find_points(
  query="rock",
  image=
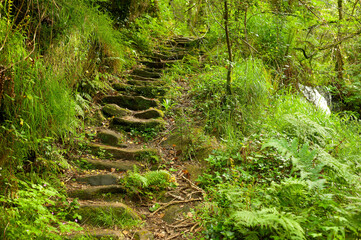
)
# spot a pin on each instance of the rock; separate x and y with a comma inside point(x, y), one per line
point(119, 165)
point(95, 192)
point(143, 235)
point(128, 123)
point(121, 153)
point(149, 113)
point(113, 110)
point(98, 213)
point(147, 74)
point(146, 91)
point(132, 102)
point(196, 169)
point(161, 56)
point(97, 233)
point(145, 83)
point(100, 180)
point(162, 64)
point(175, 212)
point(145, 79)
point(109, 137)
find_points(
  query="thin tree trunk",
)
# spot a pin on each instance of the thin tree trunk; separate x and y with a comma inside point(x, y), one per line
point(230, 57)
point(339, 60)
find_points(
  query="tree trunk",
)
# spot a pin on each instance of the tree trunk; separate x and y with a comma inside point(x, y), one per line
point(338, 54)
point(230, 57)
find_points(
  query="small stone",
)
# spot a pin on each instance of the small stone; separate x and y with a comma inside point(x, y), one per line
point(143, 235)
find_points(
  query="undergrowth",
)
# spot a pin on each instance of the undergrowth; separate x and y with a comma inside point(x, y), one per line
point(297, 178)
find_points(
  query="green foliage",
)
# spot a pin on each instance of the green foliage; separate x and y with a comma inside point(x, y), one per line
point(267, 222)
point(136, 182)
point(272, 36)
point(35, 213)
point(241, 110)
point(109, 217)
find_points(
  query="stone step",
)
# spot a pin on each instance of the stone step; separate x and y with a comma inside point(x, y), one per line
point(99, 179)
point(146, 91)
point(90, 211)
point(94, 192)
point(136, 77)
point(119, 165)
point(158, 64)
point(138, 82)
point(163, 56)
point(149, 114)
point(113, 138)
point(110, 137)
point(122, 153)
point(91, 232)
point(146, 73)
point(129, 122)
point(132, 102)
point(110, 110)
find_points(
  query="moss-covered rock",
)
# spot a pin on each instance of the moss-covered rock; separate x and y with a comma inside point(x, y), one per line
point(107, 214)
point(97, 233)
point(149, 113)
point(119, 165)
point(143, 235)
point(109, 137)
point(113, 110)
point(99, 180)
point(158, 64)
point(132, 102)
point(138, 82)
point(121, 153)
point(146, 91)
point(94, 192)
point(147, 73)
point(128, 123)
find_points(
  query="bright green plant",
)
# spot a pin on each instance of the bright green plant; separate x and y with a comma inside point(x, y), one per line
point(109, 217)
point(139, 183)
point(34, 213)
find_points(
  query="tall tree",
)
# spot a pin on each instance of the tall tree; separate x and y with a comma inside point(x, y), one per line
point(229, 47)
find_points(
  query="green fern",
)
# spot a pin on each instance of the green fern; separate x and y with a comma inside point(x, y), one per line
point(267, 222)
point(135, 179)
point(160, 177)
point(303, 128)
point(303, 159)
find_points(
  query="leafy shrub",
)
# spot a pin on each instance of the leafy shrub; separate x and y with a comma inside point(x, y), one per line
point(34, 213)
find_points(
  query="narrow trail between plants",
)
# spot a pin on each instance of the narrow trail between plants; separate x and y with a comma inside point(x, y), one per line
point(134, 107)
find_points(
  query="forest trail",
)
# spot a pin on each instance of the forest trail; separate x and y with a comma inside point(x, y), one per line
point(133, 108)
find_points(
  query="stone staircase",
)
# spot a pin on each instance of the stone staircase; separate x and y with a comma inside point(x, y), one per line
point(134, 105)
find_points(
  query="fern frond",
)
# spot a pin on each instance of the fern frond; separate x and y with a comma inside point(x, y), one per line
point(342, 170)
point(303, 128)
point(269, 219)
point(158, 177)
point(302, 159)
point(137, 180)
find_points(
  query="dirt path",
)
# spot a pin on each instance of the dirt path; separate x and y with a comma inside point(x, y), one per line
point(133, 109)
